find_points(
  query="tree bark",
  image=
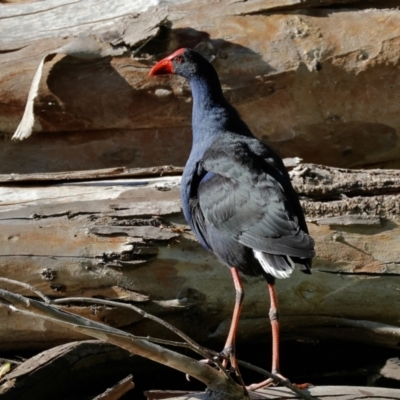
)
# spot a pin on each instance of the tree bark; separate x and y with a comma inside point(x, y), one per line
point(126, 239)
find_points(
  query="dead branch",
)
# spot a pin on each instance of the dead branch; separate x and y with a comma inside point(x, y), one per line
point(206, 353)
point(118, 390)
point(138, 345)
point(84, 368)
point(28, 287)
point(204, 373)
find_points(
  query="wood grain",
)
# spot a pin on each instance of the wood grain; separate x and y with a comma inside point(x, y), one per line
point(126, 239)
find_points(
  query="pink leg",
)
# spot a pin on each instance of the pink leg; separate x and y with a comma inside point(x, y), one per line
point(229, 348)
point(274, 318)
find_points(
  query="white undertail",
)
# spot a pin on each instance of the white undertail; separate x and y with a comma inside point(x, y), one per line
point(277, 272)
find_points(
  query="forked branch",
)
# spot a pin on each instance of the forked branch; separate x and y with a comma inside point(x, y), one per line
point(218, 381)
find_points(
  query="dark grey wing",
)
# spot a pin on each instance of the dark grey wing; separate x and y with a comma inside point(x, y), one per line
point(247, 198)
point(191, 206)
point(198, 223)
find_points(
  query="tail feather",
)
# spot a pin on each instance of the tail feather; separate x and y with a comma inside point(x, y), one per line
point(281, 266)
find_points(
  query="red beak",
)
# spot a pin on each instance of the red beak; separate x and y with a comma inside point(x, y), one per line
point(165, 66)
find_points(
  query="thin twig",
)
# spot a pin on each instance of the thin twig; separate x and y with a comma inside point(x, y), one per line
point(191, 343)
point(209, 376)
point(118, 390)
point(28, 287)
point(204, 352)
point(166, 342)
point(211, 355)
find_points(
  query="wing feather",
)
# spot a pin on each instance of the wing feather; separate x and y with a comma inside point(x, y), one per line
point(245, 193)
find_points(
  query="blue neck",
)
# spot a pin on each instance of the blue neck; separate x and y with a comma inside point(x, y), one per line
point(208, 105)
point(212, 114)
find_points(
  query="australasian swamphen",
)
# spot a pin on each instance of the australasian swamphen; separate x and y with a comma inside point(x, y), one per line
point(236, 193)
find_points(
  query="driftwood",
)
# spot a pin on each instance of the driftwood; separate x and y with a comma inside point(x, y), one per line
point(75, 368)
point(24, 380)
point(315, 82)
point(125, 239)
point(219, 383)
point(320, 392)
point(217, 379)
point(118, 390)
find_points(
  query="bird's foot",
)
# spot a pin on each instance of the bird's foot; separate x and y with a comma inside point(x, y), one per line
point(275, 382)
point(267, 383)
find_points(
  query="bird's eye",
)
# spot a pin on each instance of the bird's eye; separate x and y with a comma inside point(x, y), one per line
point(179, 59)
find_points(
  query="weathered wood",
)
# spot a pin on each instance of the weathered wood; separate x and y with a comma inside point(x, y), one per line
point(108, 173)
point(213, 379)
point(126, 239)
point(93, 17)
point(326, 183)
point(77, 369)
point(319, 392)
point(300, 80)
point(118, 390)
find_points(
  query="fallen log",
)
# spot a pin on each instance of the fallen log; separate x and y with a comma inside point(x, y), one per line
point(125, 239)
point(277, 393)
point(315, 82)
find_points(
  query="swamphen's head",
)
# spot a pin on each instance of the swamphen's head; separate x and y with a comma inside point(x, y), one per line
point(184, 62)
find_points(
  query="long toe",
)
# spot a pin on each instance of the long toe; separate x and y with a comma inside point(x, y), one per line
point(268, 382)
point(271, 382)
